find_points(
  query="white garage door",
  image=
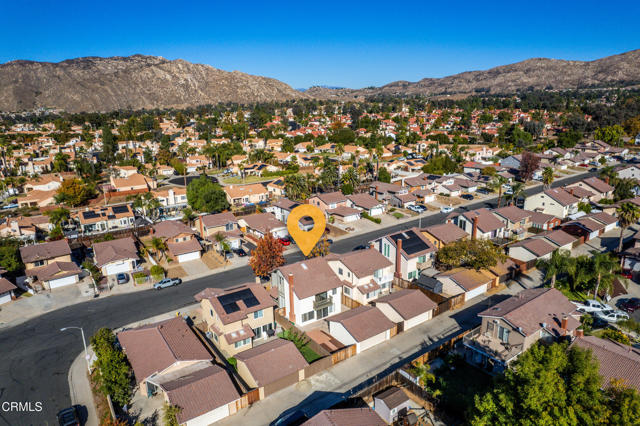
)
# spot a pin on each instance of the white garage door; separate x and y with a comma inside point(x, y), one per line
point(475, 292)
point(116, 268)
point(5, 298)
point(281, 233)
point(189, 256)
point(63, 281)
point(371, 342)
point(376, 211)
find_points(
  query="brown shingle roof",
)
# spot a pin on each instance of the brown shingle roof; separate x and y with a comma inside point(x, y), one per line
point(532, 308)
point(343, 211)
point(537, 246)
point(408, 303)
point(363, 322)
point(272, 361)
point(220, 219)
point(561, 196)
point(184, 247)
point(171, 228)
point(310, 277)
point(512, 213)
point(114, 250)
point(446, 232)
point(364, 262)
point(363, 200)
point(332, 197)
point(44, 251)
point(559, 237)
point(263, 222)
point(617, 361)
point(346, 417)
point(598, 184)
point(6, 285)
point(487, 222)
point(152, 348)
point(257, 290)
point(55, 270)
point(393, 397)
point(200, 392)
point(468, 279)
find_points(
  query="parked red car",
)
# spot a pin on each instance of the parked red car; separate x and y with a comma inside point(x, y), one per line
point(284, 241)
point(630, 305)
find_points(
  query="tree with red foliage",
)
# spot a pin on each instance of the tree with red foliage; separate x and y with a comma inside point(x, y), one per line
point(529, 163)
point(267, 256)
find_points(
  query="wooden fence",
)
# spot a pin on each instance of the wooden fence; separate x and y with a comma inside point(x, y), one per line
point(349, 302)
point(343, 354)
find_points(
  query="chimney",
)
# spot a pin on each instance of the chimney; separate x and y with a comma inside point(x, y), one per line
point(258, 280)
point(398, 272)
point(376, 194)
point(606, 180)
point(291, 313)
point(579, 333)
point(371, 245)
point(564, 324)
point(571, 191)
point(474, 228)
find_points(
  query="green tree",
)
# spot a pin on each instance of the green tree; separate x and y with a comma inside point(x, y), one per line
point(296, 187)
point(159, 247)
point(554, 265)
point(188, 216)
point(350, 177)
point(476, 254)
point(58, 216)
point(205, 196)
point(497, 184)
point(547, 385)
point(628, 215)
point(109, 146)
point(623, 189)
point(624, 404)
point(74, 192)
point(115, 373)
point(603, 267)
point(610, 134)
point(547, 177)
point(10, 259)
point(384, 175)
point(441, 164)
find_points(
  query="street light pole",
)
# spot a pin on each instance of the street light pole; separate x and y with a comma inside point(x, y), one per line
point(84, 343)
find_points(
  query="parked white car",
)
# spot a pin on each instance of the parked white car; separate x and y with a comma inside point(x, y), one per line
point(591, 305)
point(446, 209)
point(417, 208)
point(611, 315)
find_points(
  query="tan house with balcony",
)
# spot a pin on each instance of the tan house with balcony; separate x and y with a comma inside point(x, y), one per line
point(36, 255)
point(238, 317)
point(510, 327)
point(239, 195)
point(516, 221)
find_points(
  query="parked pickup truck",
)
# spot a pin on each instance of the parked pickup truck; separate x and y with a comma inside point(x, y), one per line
point(167, 282)
point(591, 305)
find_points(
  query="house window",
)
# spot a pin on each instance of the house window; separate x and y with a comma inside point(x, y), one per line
point(243, 342)
point(422, 259)
point(215, 337)
point(257, 315)
point(490, 328)
point(339, 271)
point(334, 291)
point(413, 274)
point(347, 291)
point(211, 312)
point(228, 227)
point(38, 263)
point(503, 334)
point(308, 316)
point(257, 332)
point(385, 250)
point(383, 286)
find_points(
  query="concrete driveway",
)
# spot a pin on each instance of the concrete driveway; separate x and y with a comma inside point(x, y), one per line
point(194, 267)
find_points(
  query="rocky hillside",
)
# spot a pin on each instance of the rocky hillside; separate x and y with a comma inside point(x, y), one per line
point(538, 73)
point(105, 84)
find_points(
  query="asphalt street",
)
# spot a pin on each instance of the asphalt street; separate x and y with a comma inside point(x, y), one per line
point(36, 356)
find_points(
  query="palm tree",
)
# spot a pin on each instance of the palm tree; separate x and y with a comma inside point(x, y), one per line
point(628, 214)
point(517, 191)
point(350, 177)
point(423, 372)
point(188, 216)
point(158, 245)
point(603, 267)
point(547, 177)
point(578, 271)
point(497, 184)
point(555, 264)
point(609, 172)
point(58, 216)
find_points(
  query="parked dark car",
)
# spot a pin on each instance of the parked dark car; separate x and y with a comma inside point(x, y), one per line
point(122, 278)
point(68, 417)
point(240, 252)
point(329, 240)
point(467, 197)
point(630, 305)
point(360, 247)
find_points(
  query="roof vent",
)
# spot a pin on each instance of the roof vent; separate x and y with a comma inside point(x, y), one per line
point(304, 266)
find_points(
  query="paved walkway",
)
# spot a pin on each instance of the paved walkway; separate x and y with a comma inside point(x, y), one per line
point(80, 390)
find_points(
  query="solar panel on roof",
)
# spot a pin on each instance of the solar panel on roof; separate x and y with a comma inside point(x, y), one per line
point(411, 243)
point(120, 209)
point(228, 301)
point(90, 214)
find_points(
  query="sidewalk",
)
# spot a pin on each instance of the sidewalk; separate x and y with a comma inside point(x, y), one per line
point(80, 390)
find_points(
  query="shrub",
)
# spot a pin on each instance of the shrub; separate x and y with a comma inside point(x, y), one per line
point(140, 277)
point(616, 335)
point(371, 218)
point(157, 272)
point(398, 215)
point(115, 374)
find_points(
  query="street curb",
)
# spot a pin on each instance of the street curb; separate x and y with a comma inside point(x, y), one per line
point(82, 399)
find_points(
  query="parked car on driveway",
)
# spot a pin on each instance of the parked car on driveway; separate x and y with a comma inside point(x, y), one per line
point(446, 209)
point(284, 241)
point(417, 208)
point(240, 252)
point(630, 305)
point(612, 316)
point(167, 282)
point(467, 197)
point(122, 278)
point(591, 305)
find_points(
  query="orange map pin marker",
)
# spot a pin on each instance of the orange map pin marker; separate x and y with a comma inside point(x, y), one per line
point(306, 240)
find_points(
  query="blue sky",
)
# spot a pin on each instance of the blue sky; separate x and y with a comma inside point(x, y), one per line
point(349, 44)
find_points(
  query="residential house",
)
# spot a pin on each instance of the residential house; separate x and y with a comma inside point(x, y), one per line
point(516, 221)
point(598, 187)
point(237, 317)
point(276, 188)
point(465, 281)
point(329, 200)
point(116, 256)
point(239, 195)
point(617, 362)
point(544, 221)
point(259, 224)
point(168, 358)
point(631, 171)
point(364, 326)
point(406, 308)
point(531, 250)
point(443, 234)
point(365, 203)
point(479, 223)
point(36, 255)
point(181, 241)
point(225, 224)
point(344, 214)
point(104, 219)
point(172, 200)
point(409, 250)
point(54, 275)
point(510, 327)
point(559, 238)
point(46, 182)
point(133, 182)
point(37, 198)
point(365, 274)
point(391, 403)
point(403, 200)
point(384, 191)
point(556, 201)
point(281, 209)
point(512, 162)
point(308, 290)
point(7, 290)
point(346, 416)
point(271, 366)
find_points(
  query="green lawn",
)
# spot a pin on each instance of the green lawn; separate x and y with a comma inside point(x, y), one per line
point(397, 215)
point(577, 296)
point(309, 354)
point(249, 179)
